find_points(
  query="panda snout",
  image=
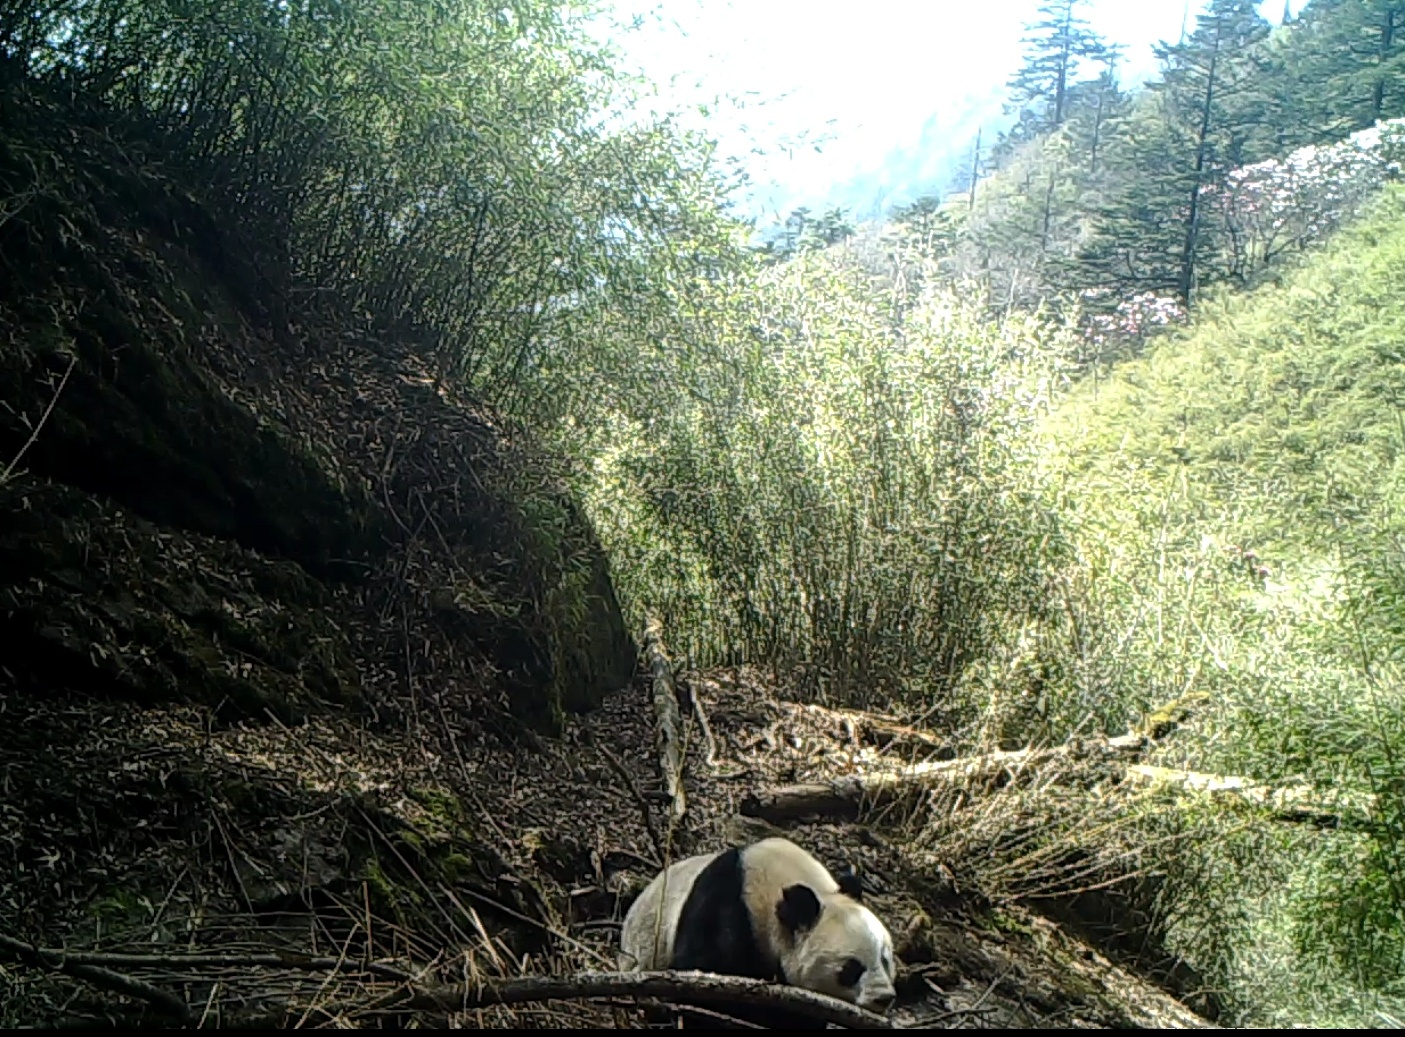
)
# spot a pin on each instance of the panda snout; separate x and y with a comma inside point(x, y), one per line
point(880, 1002)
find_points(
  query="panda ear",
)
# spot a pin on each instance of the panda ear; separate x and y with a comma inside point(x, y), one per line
point(799, 908)
point(850, 885)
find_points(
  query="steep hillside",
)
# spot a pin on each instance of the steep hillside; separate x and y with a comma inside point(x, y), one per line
point(1235, 501)
point(1284, 405)
point(163, 412)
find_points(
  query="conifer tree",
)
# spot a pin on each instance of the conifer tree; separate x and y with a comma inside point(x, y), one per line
point(1054, 47)
point(1367, 40)
point(1199, 120)
point(1094, 104)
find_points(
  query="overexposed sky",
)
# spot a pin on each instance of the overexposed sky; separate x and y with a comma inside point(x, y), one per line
point(862, 77)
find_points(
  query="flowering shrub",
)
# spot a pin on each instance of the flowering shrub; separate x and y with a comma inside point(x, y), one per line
point(1283, 205)
point(1133, 319)
point(1259, 213)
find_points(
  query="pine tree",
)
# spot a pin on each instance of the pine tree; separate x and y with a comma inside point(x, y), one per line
point(1344, 68)
point(831, 228)
point(1054, 47)
point(1199, 120)
point(1094, 104)
point(1390, 35)
point(1200, 77)
point(930, 222)
point(1369, 37)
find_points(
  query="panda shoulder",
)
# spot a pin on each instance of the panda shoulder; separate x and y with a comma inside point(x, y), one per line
point(769, 866)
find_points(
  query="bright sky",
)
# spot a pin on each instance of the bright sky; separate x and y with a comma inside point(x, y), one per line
point(865, 78)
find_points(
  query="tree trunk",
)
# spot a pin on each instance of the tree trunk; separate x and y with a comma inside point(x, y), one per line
point(975, 171)
point(1192, 228)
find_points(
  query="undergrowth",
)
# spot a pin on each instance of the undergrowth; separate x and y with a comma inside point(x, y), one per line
point(847, 492)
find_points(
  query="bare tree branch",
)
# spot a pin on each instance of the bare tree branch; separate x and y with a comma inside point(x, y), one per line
point(687, 987)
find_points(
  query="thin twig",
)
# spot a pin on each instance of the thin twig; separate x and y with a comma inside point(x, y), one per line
point(43, 419)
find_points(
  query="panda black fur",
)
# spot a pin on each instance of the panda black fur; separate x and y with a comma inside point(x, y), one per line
point(765, 911)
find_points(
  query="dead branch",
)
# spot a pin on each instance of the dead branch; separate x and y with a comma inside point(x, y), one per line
point(640, 801)
point(284, 960)
point(684, 987)
point(99, 976)
point(709, 742)
point(1301, 804)
point(670, 723)
point(846, 797)
point(39, 425)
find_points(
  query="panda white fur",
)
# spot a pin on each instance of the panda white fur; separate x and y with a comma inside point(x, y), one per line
point(766, 911)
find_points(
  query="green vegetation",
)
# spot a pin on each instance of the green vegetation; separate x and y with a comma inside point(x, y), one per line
point(838, 458)
point(466, 178)
point(1235, 504)
point(853, 503)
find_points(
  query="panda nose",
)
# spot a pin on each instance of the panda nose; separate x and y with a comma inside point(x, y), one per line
point(880, 1003)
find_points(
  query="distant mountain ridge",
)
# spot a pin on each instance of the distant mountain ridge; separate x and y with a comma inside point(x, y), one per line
point(936, 162)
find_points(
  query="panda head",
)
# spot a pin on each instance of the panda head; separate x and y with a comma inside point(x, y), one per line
point(837, 946)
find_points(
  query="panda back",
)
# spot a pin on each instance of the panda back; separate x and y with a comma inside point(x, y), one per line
point(718, 913)
point(715, 931)
point(651, 924)
point(728, 926)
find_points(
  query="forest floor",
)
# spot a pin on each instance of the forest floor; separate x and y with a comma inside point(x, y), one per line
point(248, 829)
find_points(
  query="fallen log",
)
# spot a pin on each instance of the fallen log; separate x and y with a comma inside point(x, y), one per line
point(848, 796)
point(696, 988)
point(1300, 804)
point(668, 721)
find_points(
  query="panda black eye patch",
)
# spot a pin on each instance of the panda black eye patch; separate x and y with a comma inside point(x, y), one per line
point(850, 974)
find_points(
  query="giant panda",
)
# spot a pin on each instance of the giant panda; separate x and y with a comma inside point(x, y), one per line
point(766, 911)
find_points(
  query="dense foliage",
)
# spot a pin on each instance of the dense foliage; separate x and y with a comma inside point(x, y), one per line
point(1235, 503)
point(848, 499)
point(461, 174)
